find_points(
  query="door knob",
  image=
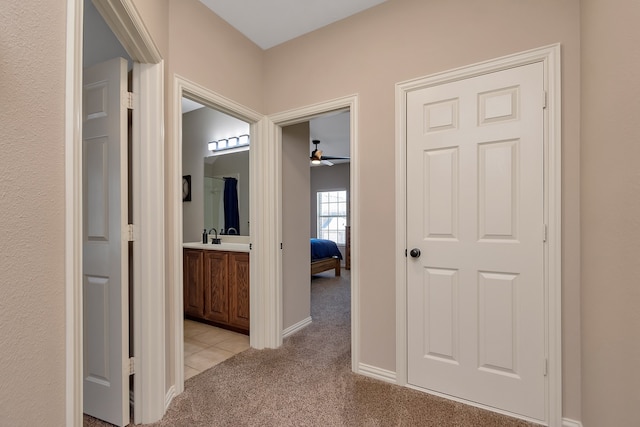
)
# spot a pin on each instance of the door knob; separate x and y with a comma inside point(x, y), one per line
point(415, 253)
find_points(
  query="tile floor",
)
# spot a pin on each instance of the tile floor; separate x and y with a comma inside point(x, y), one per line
point(206, 346)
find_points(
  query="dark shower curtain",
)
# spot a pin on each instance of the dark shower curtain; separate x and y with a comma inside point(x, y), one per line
point(231, 213)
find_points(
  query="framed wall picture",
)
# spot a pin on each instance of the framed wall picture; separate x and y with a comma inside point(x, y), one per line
point(186, 188)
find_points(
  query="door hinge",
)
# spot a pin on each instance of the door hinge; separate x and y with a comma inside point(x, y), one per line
point(132, 364)
point(545, 232)
point(545, 367)
point(250, 246)
point(280, 245)
point(129, 232)
point(129, 100)
point(545, 99)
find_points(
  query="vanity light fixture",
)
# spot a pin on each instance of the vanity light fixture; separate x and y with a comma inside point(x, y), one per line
point(232, 144)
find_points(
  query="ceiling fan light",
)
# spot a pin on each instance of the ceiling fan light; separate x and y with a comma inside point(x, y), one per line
point(315, 161)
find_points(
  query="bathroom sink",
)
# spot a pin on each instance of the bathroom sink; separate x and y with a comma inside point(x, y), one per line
point(224, 246)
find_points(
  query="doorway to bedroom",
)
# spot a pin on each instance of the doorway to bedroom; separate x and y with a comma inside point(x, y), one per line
point(316, 222)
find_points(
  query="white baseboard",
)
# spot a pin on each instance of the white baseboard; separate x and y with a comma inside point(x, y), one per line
point(377, 373)
point(171, 393)
point(567, 422)
point(296, 327)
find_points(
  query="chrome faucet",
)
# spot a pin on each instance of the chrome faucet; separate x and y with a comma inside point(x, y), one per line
point(215, 240)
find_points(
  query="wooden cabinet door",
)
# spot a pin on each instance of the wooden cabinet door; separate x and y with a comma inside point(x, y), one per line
point(216, 278)
point(239, 290)
point(193, 282)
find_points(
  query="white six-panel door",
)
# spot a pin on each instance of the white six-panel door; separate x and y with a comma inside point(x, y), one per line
point(475, 296)
point(105, 255)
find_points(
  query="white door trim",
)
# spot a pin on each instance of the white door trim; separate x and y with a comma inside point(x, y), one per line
point(550, 57)
point(126, 23)
point(73, 214)
point(184, 87)
point(274, 190)
point(149, 243)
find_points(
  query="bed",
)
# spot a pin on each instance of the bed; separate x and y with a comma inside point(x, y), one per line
point(325, 255)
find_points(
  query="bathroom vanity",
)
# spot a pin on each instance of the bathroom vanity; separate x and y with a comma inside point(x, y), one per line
point(216, 284)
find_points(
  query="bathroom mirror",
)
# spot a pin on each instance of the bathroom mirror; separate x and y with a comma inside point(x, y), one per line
point(209, 168)
point(226, 189)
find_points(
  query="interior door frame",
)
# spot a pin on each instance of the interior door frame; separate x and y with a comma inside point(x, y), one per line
point(194, 91)
point(148, 174)
point(549, 56)
point(274, 125)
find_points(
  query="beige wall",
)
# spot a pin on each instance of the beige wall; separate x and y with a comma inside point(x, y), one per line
point(155, 15)
point(402, 39)
point(610, 212)
point(296, 253)
point(32, 300)
point(206, 50)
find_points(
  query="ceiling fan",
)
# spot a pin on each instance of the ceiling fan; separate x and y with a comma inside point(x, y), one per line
point(317, 158)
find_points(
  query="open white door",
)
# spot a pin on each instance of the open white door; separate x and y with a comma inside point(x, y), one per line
point(475, 227)
point(105, 261)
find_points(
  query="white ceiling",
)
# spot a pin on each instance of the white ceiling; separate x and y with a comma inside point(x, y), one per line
point(270, 22)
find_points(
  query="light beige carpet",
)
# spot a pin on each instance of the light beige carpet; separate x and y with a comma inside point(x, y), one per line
point(308, 382)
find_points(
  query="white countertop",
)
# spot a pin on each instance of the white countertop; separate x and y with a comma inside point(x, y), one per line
point(224, 246)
